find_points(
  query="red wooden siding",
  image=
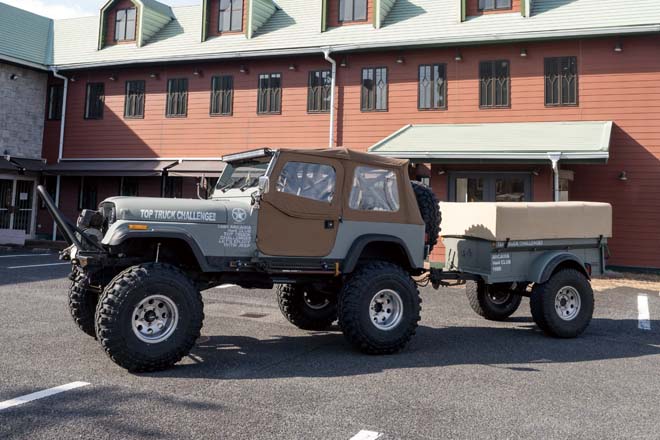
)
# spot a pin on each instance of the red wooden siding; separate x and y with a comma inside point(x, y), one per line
point(110, 17)
point(472, 8)
point(333, 14)
point(214, 17)
point(622, 87)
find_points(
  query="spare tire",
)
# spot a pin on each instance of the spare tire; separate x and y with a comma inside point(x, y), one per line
point(429, 207)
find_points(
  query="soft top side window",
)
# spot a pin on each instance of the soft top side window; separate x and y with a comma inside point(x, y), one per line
point(374, 190)
point(308, 180)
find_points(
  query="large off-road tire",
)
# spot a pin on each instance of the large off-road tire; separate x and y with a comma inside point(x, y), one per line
point(429, 207)
point(305, 307)
point(149, 317)
point(82, 301)
point(564, 305)
point(493, 302)
point(379, 308)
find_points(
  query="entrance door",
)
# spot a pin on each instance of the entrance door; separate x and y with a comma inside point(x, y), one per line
point(300, 214)
point(16, 205)
point(6, 198)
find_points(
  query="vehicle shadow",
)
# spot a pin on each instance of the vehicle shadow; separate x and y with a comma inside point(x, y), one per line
point(523, 348)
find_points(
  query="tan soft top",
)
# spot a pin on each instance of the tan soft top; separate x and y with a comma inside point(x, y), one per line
point(527, 221)
point(350, 155)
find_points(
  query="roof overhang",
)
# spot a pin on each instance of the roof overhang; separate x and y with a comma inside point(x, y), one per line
point(21, 165)
point(527, 142)
point(115, 168)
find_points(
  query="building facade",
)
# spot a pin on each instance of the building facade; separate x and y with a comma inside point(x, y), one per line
point(507, 100)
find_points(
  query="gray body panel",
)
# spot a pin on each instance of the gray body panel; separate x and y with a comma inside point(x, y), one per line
point(520, 261)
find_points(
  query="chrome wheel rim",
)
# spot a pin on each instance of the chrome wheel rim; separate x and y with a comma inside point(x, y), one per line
point(567, 303)
point(155, 318)
point(386, 310)
point(312, 301)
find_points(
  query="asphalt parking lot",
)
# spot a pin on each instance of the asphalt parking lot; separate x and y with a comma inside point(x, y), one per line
point(254, 376)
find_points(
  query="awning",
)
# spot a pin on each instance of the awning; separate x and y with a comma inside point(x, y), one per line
point(528, 142)
point(133, 168)
point(197, 168)
point(21, 165)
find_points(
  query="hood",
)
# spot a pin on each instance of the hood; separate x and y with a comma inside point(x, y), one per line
point(173, 210)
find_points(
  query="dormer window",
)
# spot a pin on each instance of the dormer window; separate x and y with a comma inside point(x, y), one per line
point(492, 5)
point(231, 16)
point(125, 24)
point(353, 10)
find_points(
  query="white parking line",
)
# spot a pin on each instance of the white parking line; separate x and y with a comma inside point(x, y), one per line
point(25, 255)
point(644, 316)
point(366, 435)
point(37, 265)
point(41, 394)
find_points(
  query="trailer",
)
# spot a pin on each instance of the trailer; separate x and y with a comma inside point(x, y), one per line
point(545, 251)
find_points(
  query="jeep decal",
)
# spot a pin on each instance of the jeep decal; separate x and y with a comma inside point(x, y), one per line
point(162, 214)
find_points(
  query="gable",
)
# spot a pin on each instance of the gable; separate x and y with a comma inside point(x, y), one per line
point(152, 16)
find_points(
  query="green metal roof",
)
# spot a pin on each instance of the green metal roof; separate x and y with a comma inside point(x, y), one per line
point(25, 38)
point(525, 141)
point(295, 27)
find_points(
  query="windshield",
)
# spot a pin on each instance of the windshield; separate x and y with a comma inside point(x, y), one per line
point(243, 176)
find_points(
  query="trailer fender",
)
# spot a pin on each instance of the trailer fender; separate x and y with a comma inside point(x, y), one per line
point(544, 266)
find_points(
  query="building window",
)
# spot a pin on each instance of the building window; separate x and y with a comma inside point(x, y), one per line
point(134, 103)
point(490, 187)
point(125, 24)
point(561, 81)
point(270, 93)
point(173, 188)
point(55, 96)
point(222, 95)
point(129, 186)
point(494, 80)
point(177, 98)
point(432, 86)
point(88, 197)
point(231, 16)
point(374, 89)
point(352, 10)
point(374, 190)
point(94, 101)
point(319, 92)
point(491, 5)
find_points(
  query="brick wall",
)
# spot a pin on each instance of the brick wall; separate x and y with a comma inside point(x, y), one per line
point(22, 112)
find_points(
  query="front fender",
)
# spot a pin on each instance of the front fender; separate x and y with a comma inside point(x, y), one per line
point(119, 233)
point(544, 266)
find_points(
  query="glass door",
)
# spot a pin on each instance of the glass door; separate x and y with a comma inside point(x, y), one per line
point(6, 192)
point(16, 205)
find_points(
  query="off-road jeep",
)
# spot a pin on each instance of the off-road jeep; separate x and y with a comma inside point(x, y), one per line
point(340, 233)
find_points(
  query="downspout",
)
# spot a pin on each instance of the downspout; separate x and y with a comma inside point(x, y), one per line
point(554, 158)
point(333, 84)
point(61, 145)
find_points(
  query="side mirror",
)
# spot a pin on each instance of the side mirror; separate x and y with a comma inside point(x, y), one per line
point(264, 184)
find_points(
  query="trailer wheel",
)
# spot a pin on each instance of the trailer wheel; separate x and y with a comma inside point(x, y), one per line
point(563, 306)
point(149, 317)
point(493, 302)
point(83, 301)
point(305, 307)
point(379, 308)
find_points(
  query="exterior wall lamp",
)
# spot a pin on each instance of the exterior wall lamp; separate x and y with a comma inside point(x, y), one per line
point(343, 62)
point(459, 56)
point(400, 59)
point(292, 67)
point(197, 72)
point(243, 69)
point(623, 176)
point(113, 78)
point(14, 76)
point(523, 53)
point(618, 47)
point(153, 76)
